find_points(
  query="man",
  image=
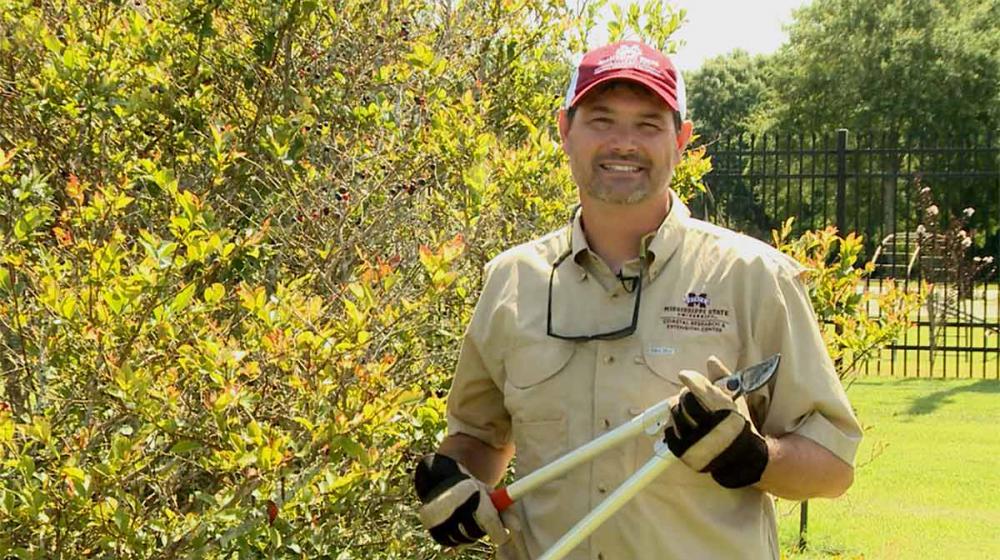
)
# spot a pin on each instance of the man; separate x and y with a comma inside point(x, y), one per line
point(581, 330)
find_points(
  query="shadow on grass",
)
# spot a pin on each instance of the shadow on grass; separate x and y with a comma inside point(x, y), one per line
point(932, 401)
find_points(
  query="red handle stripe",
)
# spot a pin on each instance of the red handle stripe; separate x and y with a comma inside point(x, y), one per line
point(501, 499)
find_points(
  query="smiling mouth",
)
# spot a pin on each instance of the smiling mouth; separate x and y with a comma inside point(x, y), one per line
point(620, 168)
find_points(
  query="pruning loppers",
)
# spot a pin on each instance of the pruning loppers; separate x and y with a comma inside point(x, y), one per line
point(651, 422)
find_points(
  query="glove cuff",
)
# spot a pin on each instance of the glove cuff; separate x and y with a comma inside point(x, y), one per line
point(743, 462)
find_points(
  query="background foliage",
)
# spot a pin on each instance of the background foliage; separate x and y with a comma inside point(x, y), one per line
point(905, 67)
point(241, 240)
point(727, 94)
point(915, 83)
point(240, 243)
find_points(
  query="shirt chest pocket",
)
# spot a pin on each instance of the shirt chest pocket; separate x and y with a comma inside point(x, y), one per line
point(537, 395)
point(664, 359)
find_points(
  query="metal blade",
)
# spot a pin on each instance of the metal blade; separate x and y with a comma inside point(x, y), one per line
point(751, 378)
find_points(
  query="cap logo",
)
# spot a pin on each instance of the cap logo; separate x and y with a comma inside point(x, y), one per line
point(628, 56)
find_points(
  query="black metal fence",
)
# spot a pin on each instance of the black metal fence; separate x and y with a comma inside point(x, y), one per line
point(867, 183)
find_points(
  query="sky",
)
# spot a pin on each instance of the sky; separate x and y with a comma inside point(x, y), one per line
point(716, 27)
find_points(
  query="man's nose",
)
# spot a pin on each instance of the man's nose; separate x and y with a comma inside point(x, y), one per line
point(623, 142)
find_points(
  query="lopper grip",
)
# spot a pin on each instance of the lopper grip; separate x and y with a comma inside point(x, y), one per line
point(501, 499)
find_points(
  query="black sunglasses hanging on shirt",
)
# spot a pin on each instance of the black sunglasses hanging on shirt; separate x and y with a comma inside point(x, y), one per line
point(610, 335)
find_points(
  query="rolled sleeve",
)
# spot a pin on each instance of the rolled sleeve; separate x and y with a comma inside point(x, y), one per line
point(806, 396)
point(476, 400)
point(840, 441)
point(475, 403)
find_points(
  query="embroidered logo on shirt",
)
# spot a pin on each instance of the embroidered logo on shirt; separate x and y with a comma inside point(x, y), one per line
point(693, 299)
point(697, 315)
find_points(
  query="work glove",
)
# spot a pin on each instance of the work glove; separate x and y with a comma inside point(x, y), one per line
point(709, 433)
point(456, 506)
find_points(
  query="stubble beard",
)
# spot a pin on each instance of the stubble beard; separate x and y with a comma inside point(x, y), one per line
point(612, 194)
point(606, 193)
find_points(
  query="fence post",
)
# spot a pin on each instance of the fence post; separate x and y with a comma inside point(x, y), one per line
point(803, 524)
point(841, 180)
point(841, 228)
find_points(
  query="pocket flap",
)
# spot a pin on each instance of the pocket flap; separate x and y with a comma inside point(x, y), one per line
point(530, 365)
point(663, 360)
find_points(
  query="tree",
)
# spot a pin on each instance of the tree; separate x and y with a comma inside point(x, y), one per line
point(904, 66)
point(910, 71)
point(726, 94)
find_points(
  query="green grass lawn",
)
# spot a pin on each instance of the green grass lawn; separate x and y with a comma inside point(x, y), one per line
point(927, 483)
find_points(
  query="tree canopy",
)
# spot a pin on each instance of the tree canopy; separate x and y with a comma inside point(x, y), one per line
point(908, 67)
point(904, 66)
point(726, 94)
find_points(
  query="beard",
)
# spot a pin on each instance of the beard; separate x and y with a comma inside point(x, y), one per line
point(620, 188)
point(612, 193)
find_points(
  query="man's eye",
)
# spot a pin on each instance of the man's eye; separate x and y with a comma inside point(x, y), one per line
point(650, 126)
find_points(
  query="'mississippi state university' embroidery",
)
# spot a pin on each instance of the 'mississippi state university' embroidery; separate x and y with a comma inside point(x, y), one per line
point(697, 314)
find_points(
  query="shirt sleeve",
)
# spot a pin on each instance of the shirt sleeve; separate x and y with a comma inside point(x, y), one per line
point(806, 396)
point(476, 402)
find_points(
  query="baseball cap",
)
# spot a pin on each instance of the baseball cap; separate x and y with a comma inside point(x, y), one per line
point(632, 61)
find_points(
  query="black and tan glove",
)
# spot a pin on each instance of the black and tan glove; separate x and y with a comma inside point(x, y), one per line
point(456, 506)
point(709, 433)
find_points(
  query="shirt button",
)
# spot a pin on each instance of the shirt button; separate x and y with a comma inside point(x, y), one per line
point(609, 359)
point(635, 410)
point(602, 489)
point(614, 295)
point(583, 276)
point(637, 359)
point(607, 423)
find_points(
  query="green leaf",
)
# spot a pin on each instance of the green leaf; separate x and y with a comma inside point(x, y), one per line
point(41, 430)
point(304, 422)
point(185, 446)
point(422, 55)
point(51, 42)
point(182, 299)
point(115, 299)
point(75, 473)
point(633, 15)
point(255, 433)
point(28, 222)
point(352, 448)
point(408, 396)
point(67, 306)
point(356, 317)
point(214, 293)
point(7, 430)
point(121, 518)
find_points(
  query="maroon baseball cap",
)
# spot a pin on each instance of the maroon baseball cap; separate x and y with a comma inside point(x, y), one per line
point(632, 61)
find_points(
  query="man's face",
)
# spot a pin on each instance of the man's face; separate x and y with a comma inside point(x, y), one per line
point(622, 144)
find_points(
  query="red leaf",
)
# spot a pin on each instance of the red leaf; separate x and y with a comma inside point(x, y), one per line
point(272, 512)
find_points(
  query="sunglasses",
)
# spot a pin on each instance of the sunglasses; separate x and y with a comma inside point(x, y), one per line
point(610, 335)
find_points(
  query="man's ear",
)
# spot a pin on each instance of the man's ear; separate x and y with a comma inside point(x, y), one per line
point(563, 126)
point(684, 135)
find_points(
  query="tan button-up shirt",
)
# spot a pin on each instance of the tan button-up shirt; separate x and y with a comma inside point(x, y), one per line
point(705, 290)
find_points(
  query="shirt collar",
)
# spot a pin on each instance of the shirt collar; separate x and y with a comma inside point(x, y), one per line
point(659, 245)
